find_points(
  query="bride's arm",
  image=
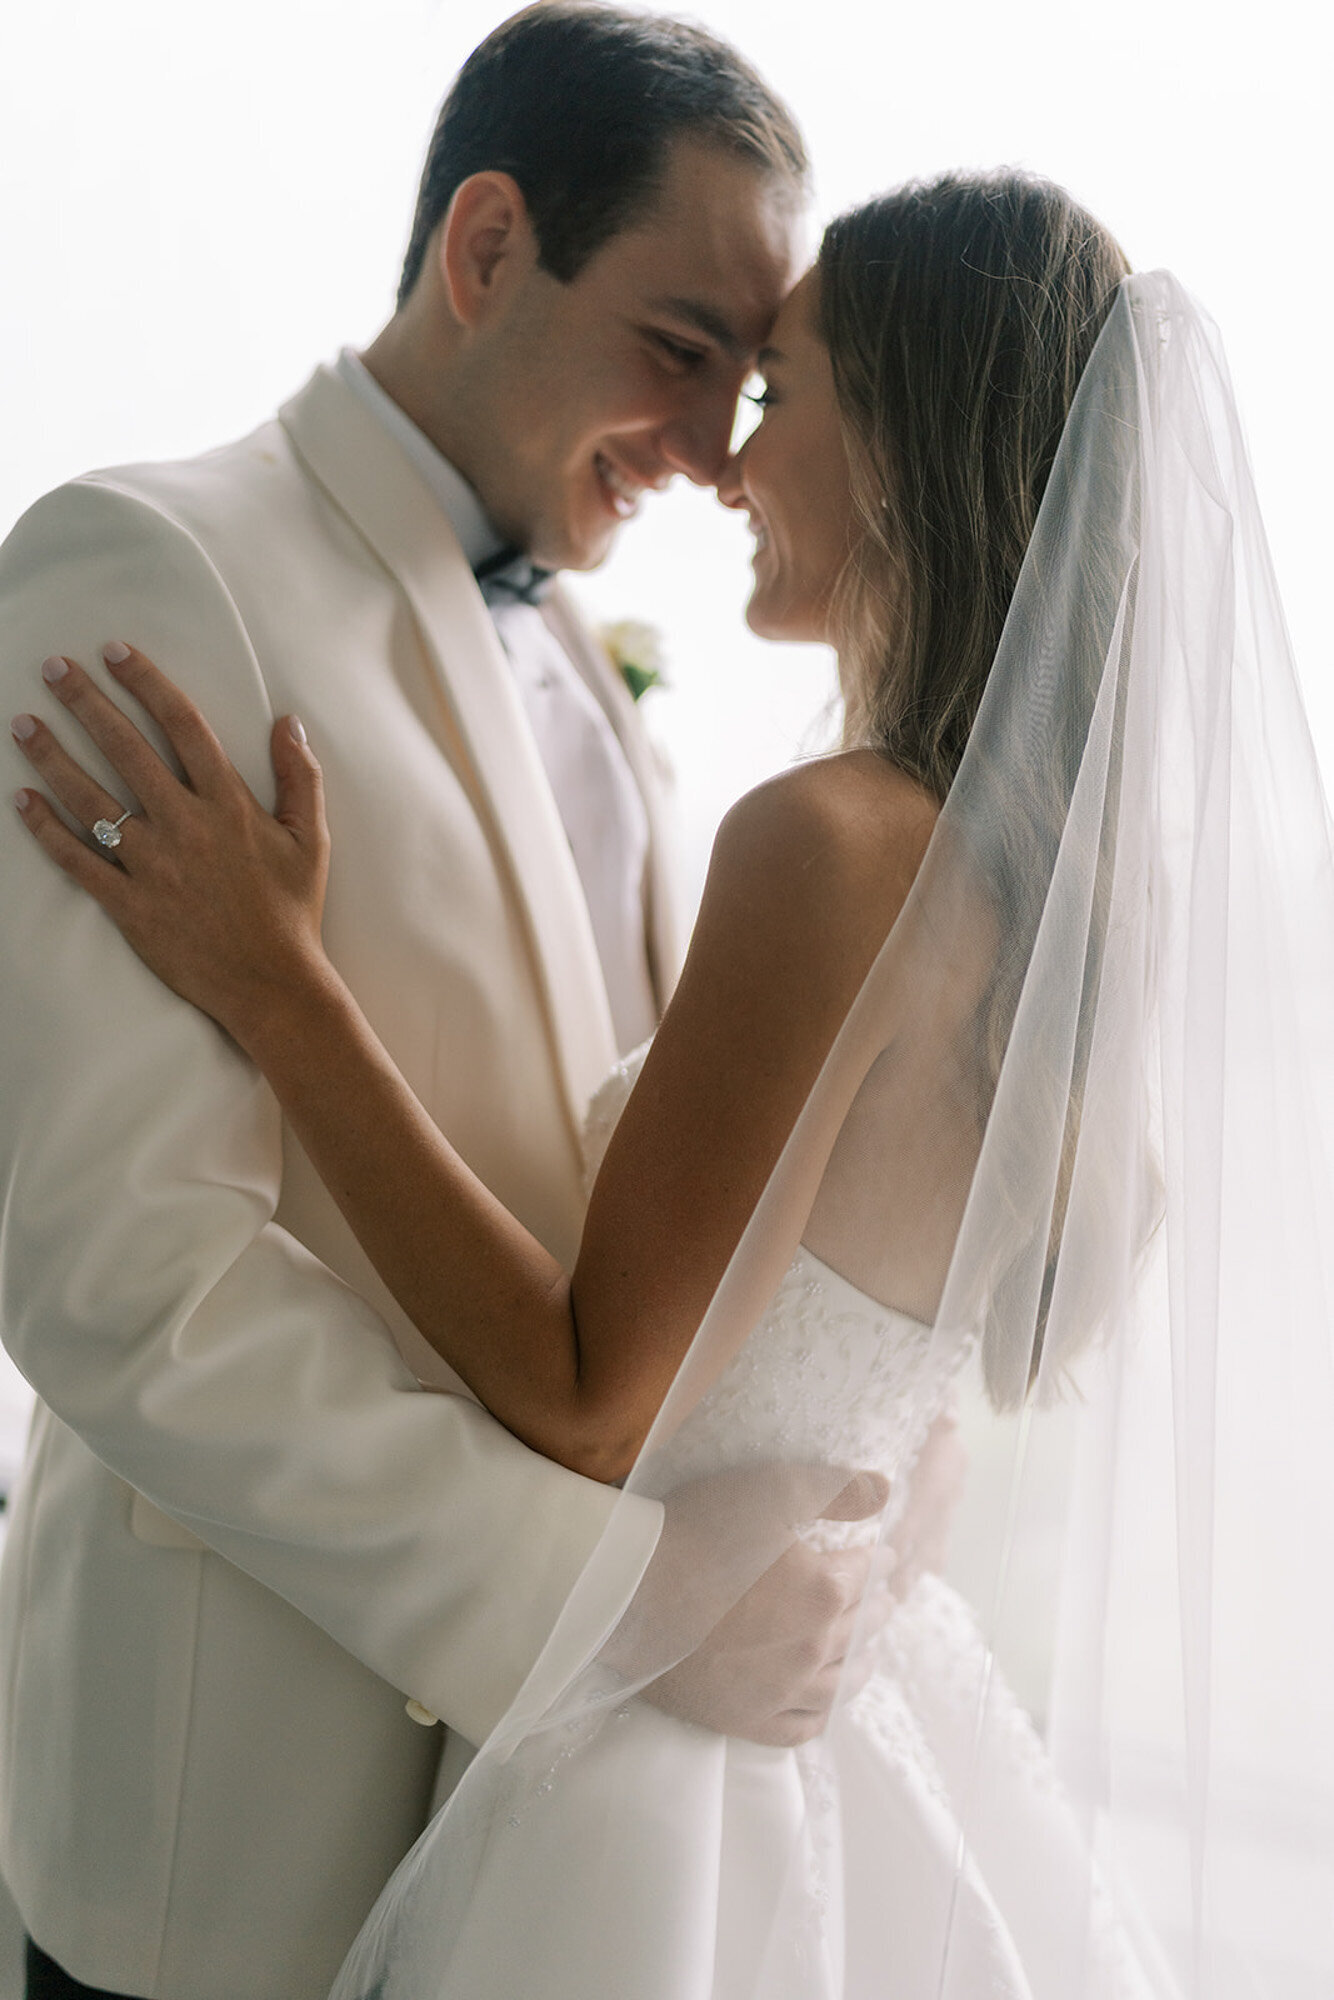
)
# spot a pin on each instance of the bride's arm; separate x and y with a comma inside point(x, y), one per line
point(223, 901)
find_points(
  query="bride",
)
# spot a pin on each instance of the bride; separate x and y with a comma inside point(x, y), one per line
point(998, 1048)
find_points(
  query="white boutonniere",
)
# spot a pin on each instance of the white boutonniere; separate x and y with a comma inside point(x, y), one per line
point(635, 650)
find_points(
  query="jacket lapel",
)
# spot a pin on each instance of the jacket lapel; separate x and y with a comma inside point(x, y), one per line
point(366, 475)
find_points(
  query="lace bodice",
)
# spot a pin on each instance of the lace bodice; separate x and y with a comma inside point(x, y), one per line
point(828, 1373)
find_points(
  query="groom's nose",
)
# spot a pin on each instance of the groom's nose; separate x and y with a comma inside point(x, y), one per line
point(697, 441)
point(731, 492)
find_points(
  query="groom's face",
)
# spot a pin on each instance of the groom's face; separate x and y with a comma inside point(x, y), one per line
point(606, 387)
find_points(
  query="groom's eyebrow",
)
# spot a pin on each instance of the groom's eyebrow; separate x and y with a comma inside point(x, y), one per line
point(707, 320)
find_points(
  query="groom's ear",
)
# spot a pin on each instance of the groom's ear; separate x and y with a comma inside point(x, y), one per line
point(486, 244)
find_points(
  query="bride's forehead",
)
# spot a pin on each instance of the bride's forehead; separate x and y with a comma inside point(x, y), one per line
point(795, 322)
point(799, 307)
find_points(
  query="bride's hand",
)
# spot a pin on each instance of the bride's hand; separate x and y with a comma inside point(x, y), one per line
point(220, 899)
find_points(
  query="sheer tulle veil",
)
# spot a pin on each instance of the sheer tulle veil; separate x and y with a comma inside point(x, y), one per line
point(1077, 1130)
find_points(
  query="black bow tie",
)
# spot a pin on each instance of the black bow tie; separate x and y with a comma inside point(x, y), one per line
point(511, 577)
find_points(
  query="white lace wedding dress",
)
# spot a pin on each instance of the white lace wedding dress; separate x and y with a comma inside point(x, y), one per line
point(646, 1859)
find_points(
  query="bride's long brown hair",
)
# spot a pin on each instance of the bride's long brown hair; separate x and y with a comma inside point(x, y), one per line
point(959, 314)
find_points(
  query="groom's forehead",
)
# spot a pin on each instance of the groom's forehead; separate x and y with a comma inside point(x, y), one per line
point(719, 247)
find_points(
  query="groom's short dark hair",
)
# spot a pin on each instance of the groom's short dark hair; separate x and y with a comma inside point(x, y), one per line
point(579, 102)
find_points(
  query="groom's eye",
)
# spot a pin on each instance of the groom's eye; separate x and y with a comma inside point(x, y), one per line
point(678, 352)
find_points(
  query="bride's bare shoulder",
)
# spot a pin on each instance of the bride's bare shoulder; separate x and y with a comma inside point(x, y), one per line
point(844, 833)
point(857, 796)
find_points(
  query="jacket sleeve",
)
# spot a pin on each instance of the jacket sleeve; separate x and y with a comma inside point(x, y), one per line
point(145, 1291)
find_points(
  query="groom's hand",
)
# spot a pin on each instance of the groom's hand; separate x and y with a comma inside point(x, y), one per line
point(763, 1658)
point(771, 1668)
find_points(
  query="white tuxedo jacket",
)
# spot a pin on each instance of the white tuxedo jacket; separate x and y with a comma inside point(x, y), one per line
point(245, 1534)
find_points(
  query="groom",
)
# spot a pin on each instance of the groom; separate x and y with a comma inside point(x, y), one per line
point(244, 1537)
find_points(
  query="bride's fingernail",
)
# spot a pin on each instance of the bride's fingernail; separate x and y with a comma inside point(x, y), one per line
point(23, 800)
point(115, 653)
point(22, 727)
point(297, 727)
point(54, 669)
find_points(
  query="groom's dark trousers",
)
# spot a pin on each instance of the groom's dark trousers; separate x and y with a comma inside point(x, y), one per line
point(47, 1981)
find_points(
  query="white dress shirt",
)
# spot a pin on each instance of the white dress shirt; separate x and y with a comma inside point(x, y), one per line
point(599, 802)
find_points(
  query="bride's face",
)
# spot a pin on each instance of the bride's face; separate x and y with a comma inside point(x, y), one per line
point(791, 478)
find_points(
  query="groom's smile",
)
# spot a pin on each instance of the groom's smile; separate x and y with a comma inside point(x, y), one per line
point(622, 489)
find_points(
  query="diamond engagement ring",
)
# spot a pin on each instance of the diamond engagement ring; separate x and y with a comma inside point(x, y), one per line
point(106, 832)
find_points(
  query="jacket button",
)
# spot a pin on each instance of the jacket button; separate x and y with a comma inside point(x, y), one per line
point(417, 1713)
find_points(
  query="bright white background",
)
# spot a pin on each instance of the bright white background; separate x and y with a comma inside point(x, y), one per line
point(197, 203)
